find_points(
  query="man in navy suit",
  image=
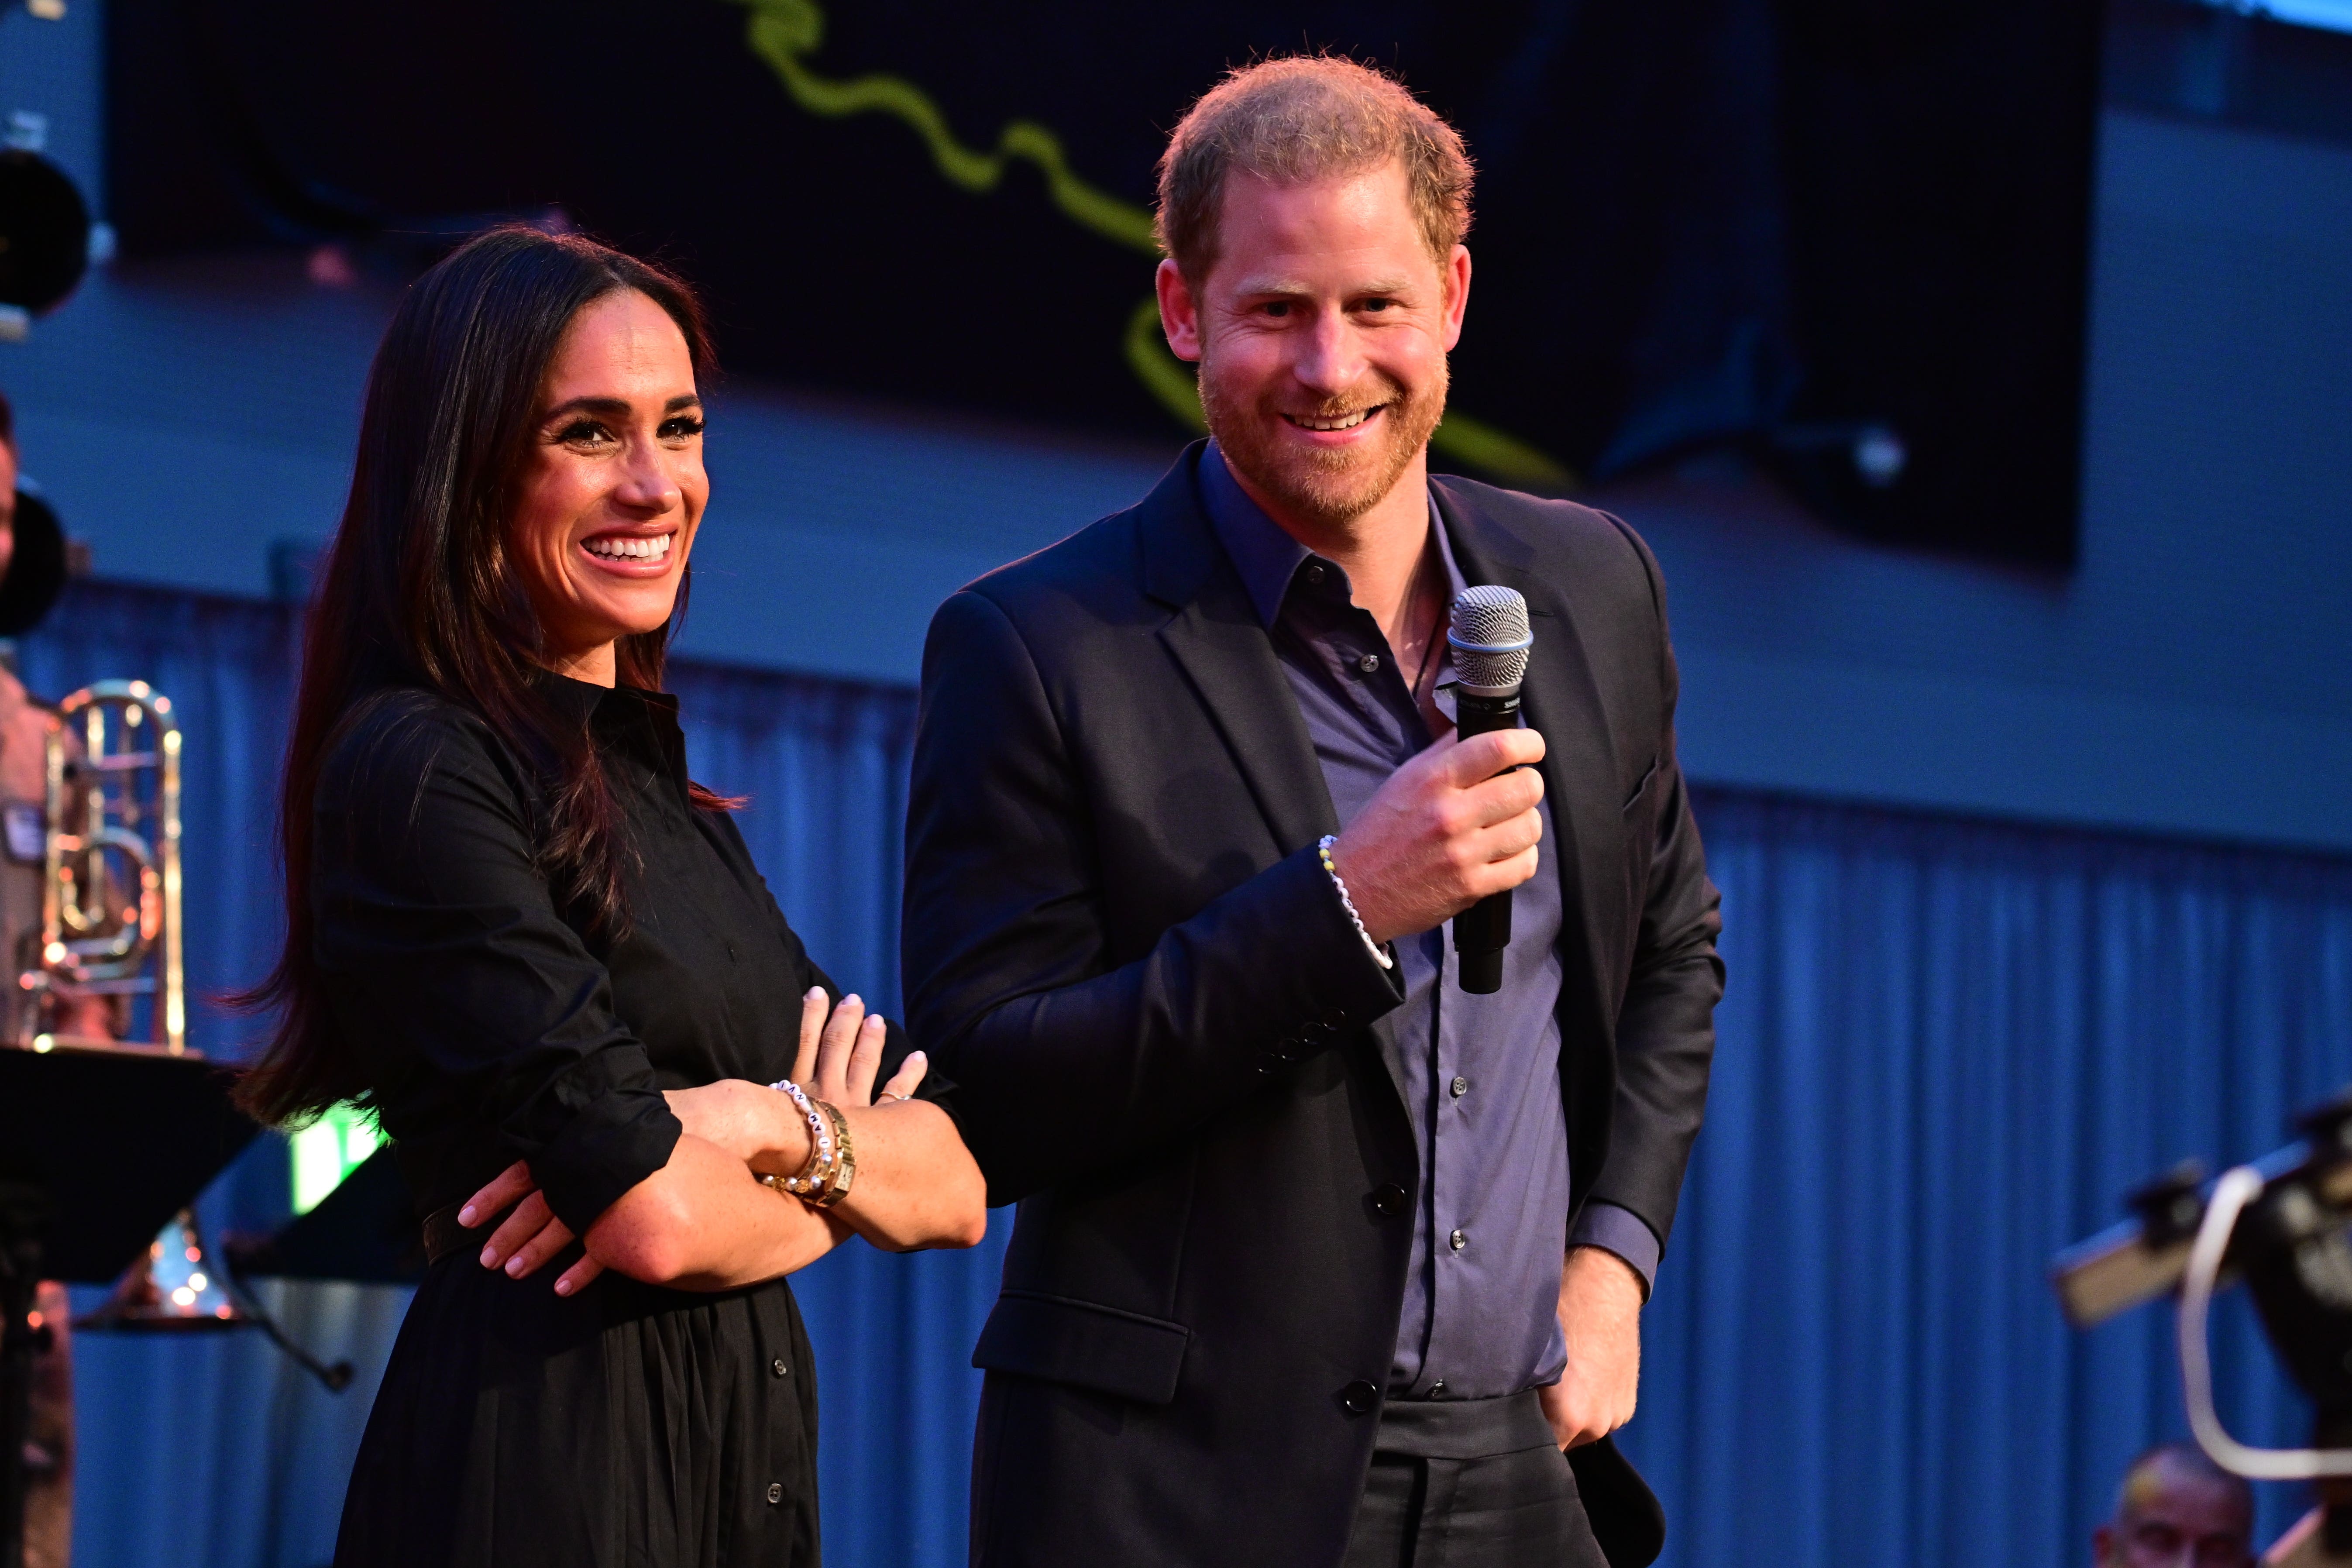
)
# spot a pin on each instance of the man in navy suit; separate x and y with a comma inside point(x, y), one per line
point(1320, 1258)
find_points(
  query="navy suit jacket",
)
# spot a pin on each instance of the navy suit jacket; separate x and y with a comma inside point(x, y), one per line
point(1167, 1039)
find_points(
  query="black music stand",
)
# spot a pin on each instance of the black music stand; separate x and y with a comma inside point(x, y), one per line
point(365, 1231)
point(98, 1147)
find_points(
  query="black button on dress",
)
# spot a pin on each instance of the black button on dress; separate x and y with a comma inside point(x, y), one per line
point(632, 1425)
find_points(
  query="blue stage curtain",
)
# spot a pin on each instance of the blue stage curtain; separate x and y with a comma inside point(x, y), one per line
point(1947, 1049)
point(1946, 1052)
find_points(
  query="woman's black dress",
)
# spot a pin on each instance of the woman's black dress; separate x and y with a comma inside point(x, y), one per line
point(631, 1424)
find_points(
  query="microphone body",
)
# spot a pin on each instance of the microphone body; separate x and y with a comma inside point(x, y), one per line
point(1484, 929)
point(1491, 638)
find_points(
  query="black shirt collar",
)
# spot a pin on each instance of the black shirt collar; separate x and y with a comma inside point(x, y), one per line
point(643, 724)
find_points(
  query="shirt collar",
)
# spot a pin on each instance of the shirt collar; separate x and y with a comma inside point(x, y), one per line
point(642, 722)
point(1268, 557)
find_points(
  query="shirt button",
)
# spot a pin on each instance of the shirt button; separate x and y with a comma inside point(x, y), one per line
point(1437, 1388)
point(779, 1368)
point(1461, 1087)
point(775, 1491)
point(1457, 1241)
point(1368, 663)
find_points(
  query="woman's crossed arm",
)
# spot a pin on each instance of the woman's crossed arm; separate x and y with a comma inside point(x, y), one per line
point(705, 1222)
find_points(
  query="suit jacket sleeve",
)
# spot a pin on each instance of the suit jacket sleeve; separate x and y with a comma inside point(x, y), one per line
point(1066, 1062)
point(1666, 1027)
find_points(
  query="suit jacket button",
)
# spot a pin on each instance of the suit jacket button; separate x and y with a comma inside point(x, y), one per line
point(1359, 1397)
point(1388, 1198)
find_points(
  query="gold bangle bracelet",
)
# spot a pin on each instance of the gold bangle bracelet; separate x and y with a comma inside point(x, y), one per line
point(845, 1160)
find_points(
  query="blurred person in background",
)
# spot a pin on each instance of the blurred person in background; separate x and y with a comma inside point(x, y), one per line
point(2177, 1508)
point(30, 581)
point(541, 955)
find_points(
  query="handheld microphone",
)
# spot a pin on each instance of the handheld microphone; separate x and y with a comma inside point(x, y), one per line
point(1490, 637)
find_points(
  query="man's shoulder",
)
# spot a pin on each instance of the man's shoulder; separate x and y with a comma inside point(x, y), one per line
point(1574, 544)
point(1095, 566)
point(1073, 594)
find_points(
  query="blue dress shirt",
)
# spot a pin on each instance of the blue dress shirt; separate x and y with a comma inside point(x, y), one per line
point(1480, 1308)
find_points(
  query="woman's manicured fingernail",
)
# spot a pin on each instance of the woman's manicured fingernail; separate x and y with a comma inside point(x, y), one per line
point(851, 1000)
point(490, 1257)
point(917, 1057)
point(466, 1216)
point(514, 1267)
point(815, 993)
point(563, 1287)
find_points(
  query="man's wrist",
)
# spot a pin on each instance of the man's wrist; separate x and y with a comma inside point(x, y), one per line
point(1621, 1232)
point(1339, 884)
point(1588, 1255)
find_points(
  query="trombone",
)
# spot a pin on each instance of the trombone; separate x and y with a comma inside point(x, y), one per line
point(111, 891)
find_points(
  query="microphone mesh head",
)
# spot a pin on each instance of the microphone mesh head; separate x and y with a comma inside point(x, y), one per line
point(1490, 636)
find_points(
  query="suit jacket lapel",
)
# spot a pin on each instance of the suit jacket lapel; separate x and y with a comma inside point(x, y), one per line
point(1561, 700)
point(1216, 638)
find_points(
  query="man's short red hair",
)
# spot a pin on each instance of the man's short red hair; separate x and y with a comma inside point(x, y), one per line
point(1307, 118)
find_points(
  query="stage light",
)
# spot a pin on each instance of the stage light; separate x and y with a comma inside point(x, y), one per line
point(44, 232)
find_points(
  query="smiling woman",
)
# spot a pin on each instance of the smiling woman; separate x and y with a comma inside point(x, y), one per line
point(541, 955)
point(613, 489)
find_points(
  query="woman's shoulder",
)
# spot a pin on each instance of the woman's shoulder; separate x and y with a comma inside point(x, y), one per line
point(395, 743)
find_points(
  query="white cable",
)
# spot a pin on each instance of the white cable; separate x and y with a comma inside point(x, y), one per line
point(2231, 1194)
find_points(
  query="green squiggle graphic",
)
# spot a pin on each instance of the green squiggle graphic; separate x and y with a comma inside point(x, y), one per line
point(781, 32)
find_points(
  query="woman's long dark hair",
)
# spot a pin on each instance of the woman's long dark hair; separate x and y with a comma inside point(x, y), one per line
point(419, 589)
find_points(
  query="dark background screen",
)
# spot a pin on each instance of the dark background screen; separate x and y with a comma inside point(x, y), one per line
point(1802, 230)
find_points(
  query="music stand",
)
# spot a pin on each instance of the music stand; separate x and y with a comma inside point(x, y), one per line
point(365, 1231)
point(98, 1148)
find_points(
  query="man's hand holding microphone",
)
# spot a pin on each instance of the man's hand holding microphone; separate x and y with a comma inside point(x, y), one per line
point(1448, 828)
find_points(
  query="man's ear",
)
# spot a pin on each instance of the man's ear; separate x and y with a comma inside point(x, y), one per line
point(1179, 314)
point(1457, 294)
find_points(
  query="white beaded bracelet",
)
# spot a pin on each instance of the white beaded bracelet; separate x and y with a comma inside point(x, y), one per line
point(1348, 904)
point(817, 1173)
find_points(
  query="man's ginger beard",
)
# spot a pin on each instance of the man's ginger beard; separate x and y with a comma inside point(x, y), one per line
point(1325, 487)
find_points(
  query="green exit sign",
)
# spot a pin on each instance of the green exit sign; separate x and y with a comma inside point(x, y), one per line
point(327, 1150)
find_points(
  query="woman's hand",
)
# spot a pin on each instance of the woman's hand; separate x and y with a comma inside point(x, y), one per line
point(839, 1057)
point(837, 1060)
point(529, 1236)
